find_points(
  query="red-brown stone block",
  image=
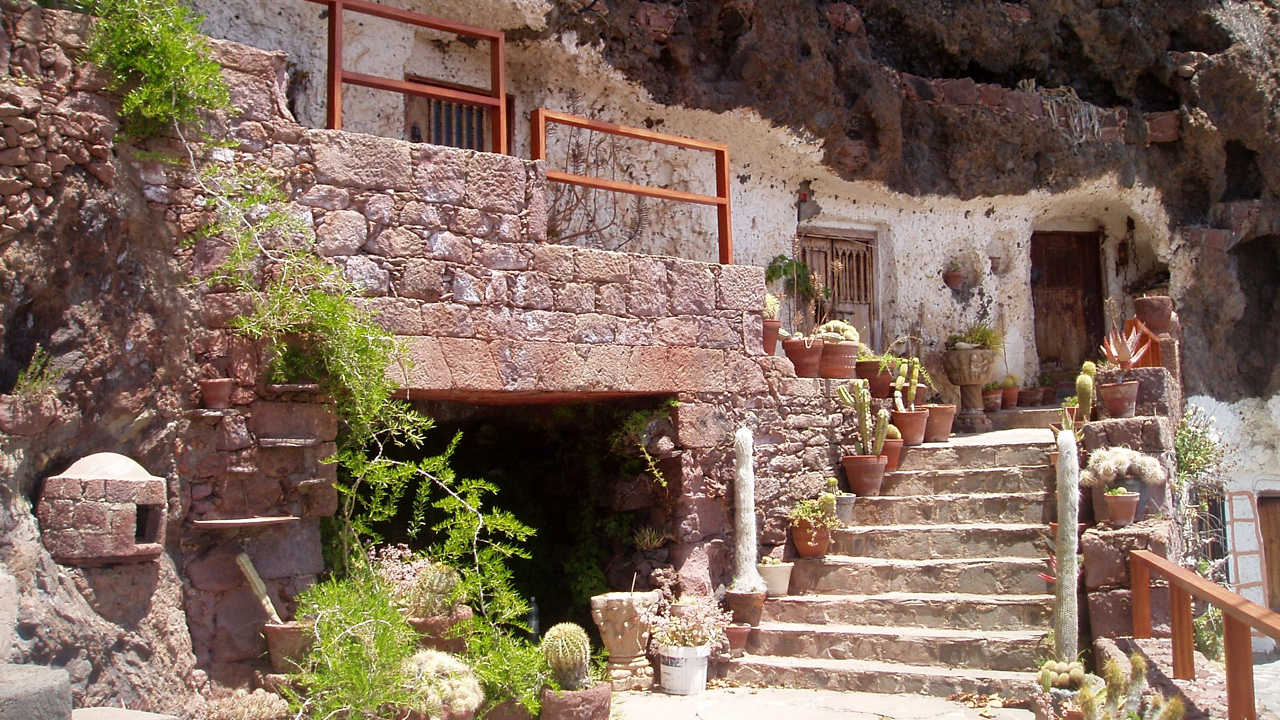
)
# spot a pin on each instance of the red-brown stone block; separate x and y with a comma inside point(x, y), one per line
point(1106, 552)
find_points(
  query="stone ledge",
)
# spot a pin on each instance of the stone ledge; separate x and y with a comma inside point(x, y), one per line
point(34, 692)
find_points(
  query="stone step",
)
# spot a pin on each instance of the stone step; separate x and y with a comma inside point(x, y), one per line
point(971, 455)
point(1021, 508)
point(839, 575)
point(922, 542)
point(877, 677)
point(1011, 650)
point(902, 609)
point(1020, 479)
point(1032, 417)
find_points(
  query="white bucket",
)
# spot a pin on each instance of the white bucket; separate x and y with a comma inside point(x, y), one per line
point(684, 669)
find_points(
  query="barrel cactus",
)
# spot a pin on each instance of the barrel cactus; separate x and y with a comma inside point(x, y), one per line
point(568, 652)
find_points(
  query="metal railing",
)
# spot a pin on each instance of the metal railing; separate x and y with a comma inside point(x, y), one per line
point(541, 117)
point(1238, 614)
point(494, 102)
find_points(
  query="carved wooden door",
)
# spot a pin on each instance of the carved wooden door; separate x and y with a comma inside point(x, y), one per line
point(1066, 292)
point(1269, 518)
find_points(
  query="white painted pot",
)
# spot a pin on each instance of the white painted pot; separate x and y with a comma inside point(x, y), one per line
point(684, 669)
point(777, 578)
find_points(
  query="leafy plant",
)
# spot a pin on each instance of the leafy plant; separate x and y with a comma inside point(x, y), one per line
point(819, 512)
point(510, 668)
point(979, 335)
point(700, 623)
point(38, 378)
point(649, 537)
point(1208, 630)
point(154, 53)
point(634, 431)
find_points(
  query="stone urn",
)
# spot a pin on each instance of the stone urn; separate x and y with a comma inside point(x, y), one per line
point(970, 370)
point(624, 620)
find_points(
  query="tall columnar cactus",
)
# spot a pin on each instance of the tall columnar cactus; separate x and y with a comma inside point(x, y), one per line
point(568, 652)
point(857, 395)
point(1088, 368)
point(1066, 625)
point(1084, 397)
point(908, 378)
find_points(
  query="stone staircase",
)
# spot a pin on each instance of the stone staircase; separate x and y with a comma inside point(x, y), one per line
point(934, 589)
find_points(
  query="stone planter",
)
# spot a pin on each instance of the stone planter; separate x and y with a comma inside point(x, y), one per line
point(623, 621)
point(810, 542)
point(969, 367)
point(216, 393)
point(865, 474)
point(881, 383)
point(590, 704)
point(747, 607)
point(288, 643)
point(806, 356)
point(770, 339)
point(937, 428)
point(1119, 399)
point(839, 360)
point(893, 454)
point(443, 632)
point(911, 424)
point(776, 577)
point(1156, 312)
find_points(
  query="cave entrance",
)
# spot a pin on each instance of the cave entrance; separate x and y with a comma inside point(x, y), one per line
point(1066, 293)
point(574, 472)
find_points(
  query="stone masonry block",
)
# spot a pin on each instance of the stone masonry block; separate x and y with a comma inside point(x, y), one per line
point(447, 319)
point(365, 162)
point(471, 364)
point(557, 261)
point(702, 425)
point(603, 368)
point(602, 266)
point(495, 183)
point(1164, 127)
point(1149, 434)
point(740, 287)
point(576, 298)
point(693, 289)
point(503, 257)
point(1106, 552)
point(427, 368)
point(397, 242)
point(440, 173)
point(422, 279)
point(34, 692)
point(342, 233)
point(1111, 612)
point(293, 420)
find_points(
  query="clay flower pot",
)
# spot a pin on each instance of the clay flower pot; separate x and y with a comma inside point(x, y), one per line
point(1121, 509)
point(438, 631)
point(777, 577)
point(287, 643)
point(805, 355)
point(771, 328)
point(737, 635)
point(1030, 397)
point(911, 423)
point(747, 607)
point(839, 360)
point(1009, 397)
point(953, 278)
point(810, 542)
point(937, 427)
point(865, 473)
point(881, 383)
point(892, 453)
point(1120, 399)
point(217, 392)
point(992, 400)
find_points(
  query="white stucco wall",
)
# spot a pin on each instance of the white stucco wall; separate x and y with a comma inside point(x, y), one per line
point(918, 236)
point(1251, 429)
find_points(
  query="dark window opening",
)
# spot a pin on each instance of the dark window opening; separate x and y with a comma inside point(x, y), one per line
point(1244, 177)
point(147, 528)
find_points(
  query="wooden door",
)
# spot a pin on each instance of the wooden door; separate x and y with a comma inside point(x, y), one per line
point(1066, 292)
point(1269, 519)
point(842, 260)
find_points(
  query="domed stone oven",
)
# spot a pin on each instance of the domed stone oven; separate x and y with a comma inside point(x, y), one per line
point(104, 509)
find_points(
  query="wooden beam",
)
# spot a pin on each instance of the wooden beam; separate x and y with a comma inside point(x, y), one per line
point(413, 18)
point(1184, 661)
point(538, 134)
point(498, 85)
point(1237, 645)
point(646, 190)
point(1140, 597)
point(412, 88)
point(725, 211)
point(637, 133)
point(333, 114)
point(1251, 613)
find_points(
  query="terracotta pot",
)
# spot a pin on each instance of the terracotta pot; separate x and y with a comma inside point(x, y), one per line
point(737, 635)
point(839, 360)
point(1156, 312)
point(747, 607)
point(438, 631)
point(892, 453)
point(590, 704)
point(288, 643)
point(810, 542)
point(1120, 399)
point(992, 400)
point(1048, 395)
point(1009, 397)
point(953, 278)
point(938, 427)
point(881, 383)
point(1030, 397)
point(217, 392)
point(804, 355)
point(777, 577)
point(1121, 509)
point(911, 424)
point(771, 328)
point(865, 473)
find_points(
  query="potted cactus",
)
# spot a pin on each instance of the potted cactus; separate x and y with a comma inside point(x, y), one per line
point(812, 520)
point(432, 607)
point(776, 574)
point(1084, 392)
point(840, 345)
point(1009, 388)
point(568, 652)
point(905, 415)
point(804, 352)
point(844, 501)
point(772, 324)
point(1121, 468)
point(879, 370)
point(865, 467)
point(892, 448)
point(1121, 398)
point(992, 397)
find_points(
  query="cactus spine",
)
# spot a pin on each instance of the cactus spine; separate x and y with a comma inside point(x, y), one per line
point(1084, 397)
point(870, 435)
point(568, 652)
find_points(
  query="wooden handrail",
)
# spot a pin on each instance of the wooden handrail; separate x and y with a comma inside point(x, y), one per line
point(495, 100)
point(538, 147)
point(1239, 615)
